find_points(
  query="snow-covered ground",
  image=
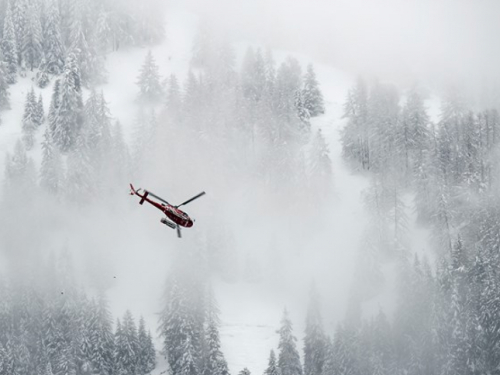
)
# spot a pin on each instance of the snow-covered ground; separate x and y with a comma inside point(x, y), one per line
point(250, 313)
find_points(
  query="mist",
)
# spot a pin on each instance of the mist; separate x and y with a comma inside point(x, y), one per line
point(437, 43)
point(348, 150)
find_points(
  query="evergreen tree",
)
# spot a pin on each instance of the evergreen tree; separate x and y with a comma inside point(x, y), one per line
point(90, 64)
point(329, 367)
point(253, 75)
point(149, 80)
point(40, 112)
point(31, 46)
point(146, 358)
point(415, 130)
point(385, 146)
point(179, 329)
point(19, 13)
point(54, 107)
point(288, 357)
point(9, 46)
point(314, 339)
point(96, 132)
point(99, 338)
point(214, 363)
point(126, 346)
point(356, 134)
point(53, 48)
point(67, 121)
point(150, 24)
point(81, 179)
point(4, 87)
point(192, 101)
point(313, 98)
point(346, 349)
point(30, 119)
point(173, 104)
point(51, 170)
point(288, 83)
point(272, 366)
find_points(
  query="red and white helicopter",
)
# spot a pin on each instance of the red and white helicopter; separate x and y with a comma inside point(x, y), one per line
point(177, 217)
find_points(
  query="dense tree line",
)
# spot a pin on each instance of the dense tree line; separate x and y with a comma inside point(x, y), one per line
point(39, 34)
point(53, 327)
point(44, 36)
point(255, 121)
point(189, 322)
point(450, 167)
point(445, 319)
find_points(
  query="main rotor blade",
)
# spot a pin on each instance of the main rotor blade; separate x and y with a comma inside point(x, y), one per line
point(192, 199)
point(157, 197)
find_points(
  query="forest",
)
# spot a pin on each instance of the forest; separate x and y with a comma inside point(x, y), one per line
point(250, 119)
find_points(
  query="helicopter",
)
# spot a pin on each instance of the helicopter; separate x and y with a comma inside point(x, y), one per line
point(177, 217)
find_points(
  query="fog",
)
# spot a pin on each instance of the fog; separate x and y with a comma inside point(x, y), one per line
point(360, 213)
point(438, 42)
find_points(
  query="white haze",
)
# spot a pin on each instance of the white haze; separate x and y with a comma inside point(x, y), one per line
point(438, 42)
point(121, 247)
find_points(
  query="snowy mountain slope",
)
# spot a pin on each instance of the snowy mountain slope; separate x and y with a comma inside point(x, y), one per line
point(251, 312)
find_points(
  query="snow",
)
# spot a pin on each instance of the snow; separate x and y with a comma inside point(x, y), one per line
point(123, 66)
point(250, 313)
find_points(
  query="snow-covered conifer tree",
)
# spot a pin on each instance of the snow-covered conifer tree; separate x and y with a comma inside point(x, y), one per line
point(4, 86)
point(214, 363)
point(415, 130)
point(40, 112)
point(313, 98)
point(173, 102)
point(53, 48)
point(288, 357)
point(356, 134)
point(54, 107)
point(178, 330)
point(253, 75)
point(51, 170)
point(67, 118)
point(19, 18)
point(149, 80)
point(30, 119)
point(98, 329)
point(314, 339)
point(90, 64)
point(288, 83)
point(272, 366)
point(146, 358)
point(31, 46)
point(126, 346)
point(9, 46)
point(150, 24)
